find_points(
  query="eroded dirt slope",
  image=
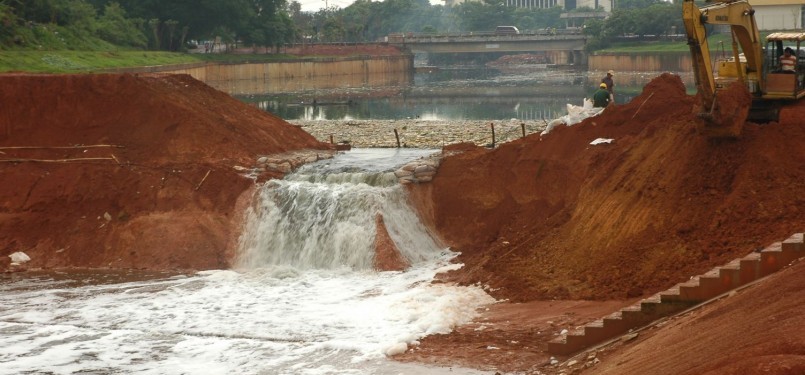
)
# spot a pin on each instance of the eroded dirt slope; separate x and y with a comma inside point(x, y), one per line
point(556, 217)
point(548, 222)
point(160, 193)
point(757, 330)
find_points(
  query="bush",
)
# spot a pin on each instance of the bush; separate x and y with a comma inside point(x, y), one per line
point(114, 27)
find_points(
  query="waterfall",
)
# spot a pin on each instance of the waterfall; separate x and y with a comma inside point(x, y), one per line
point(325, 219)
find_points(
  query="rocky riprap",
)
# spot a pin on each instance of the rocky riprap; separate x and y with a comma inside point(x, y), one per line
point(420, 170)
point(413, 133)
point(285, 162)
point(418, 133)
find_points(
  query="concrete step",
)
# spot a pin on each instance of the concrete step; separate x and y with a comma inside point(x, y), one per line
point(671, 295)
point(771, 259)
point(750, 267)
point(795, 243)
point(682, 296)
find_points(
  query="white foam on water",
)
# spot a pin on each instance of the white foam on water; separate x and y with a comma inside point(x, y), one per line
point(304, 300)
point(274, 320)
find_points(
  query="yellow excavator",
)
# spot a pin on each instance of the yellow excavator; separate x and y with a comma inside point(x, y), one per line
point(758, 68)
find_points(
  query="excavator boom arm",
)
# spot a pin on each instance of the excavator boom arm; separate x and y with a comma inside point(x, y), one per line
point(699, 51)
point(739, 15)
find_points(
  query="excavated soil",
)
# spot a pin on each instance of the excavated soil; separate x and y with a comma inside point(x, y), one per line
point(154, 185)
point(566, 231)
point(557, 218)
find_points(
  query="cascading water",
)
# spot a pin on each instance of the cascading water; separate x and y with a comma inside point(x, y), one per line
point(305, 299)
point(325, 219)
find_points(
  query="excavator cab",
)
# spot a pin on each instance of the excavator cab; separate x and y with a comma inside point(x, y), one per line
point(778, 82)
point(758, 69)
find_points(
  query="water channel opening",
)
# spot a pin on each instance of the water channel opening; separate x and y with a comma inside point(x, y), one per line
point(323, 216)
point(309, 304)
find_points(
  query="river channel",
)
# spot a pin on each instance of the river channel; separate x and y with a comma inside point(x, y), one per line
point(462, 93)
point(303, 299)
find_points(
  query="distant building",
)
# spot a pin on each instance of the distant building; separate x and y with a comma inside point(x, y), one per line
point(535, 4)
point(605, 5)
point(779, 14)
point(769, 14)
point(449, 3)
point(577, 19)
point(530, 4)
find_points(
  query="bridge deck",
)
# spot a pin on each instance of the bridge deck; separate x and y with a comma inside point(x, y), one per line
point(489, 42)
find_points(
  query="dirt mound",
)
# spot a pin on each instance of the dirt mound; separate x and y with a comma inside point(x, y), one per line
point(155, 184)
point(551, 221)
point(557, 217)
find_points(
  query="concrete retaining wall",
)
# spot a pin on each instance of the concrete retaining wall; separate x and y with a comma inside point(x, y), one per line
point(253, 78)
point(699, 289)
point(641, 62)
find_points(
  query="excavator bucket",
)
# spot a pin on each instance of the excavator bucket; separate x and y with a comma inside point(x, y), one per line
point(728, 113)
point(764, 111)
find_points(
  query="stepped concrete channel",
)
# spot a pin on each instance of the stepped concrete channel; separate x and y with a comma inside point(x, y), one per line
point(683, 296)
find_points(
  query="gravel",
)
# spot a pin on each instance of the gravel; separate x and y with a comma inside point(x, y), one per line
point(417, 133)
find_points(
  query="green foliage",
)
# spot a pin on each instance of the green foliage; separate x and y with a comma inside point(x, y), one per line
point(79, 15)
point(8, 22)
point(171, 24)
point(157, 24)
point(114, 27)
point(635, 19)
point(637, 4)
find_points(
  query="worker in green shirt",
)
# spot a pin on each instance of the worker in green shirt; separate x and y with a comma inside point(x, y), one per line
point(601, 96)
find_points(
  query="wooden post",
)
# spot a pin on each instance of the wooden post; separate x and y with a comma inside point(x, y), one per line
point(522, 126)
point(331, 139)
point(492, 125)
point(396, 135)
point(203, 179)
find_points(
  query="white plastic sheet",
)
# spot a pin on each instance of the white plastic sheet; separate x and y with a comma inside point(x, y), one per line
point(575, 114)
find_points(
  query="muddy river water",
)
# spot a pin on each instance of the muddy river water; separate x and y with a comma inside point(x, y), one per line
point(475, 93)
point(304, 298)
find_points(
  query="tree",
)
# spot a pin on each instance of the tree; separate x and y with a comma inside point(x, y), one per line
point(114, 27)
point(333, 30)
point(8, 22)
point(268, 25)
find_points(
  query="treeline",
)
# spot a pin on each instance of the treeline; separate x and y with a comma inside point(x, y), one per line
point(172, 24)
point(366, 20)
point(635, 18)
point(147, 24)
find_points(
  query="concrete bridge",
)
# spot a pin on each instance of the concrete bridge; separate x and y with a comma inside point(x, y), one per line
point(543, 40)
point(560, 46)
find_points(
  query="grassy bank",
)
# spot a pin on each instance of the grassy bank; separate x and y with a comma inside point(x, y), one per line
point(85, 61)
point(93, 61)
point(716, 42)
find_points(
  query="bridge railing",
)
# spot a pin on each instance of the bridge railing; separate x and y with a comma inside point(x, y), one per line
point(412, 36)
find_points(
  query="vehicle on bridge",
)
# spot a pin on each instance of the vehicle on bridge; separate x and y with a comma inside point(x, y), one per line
point(506, 30)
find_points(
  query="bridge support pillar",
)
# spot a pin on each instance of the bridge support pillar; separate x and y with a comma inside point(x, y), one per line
point(579, 58)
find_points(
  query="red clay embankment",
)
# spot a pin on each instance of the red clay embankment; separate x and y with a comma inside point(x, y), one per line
point(157, 187)
point(556, 217)
point(549, 222)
